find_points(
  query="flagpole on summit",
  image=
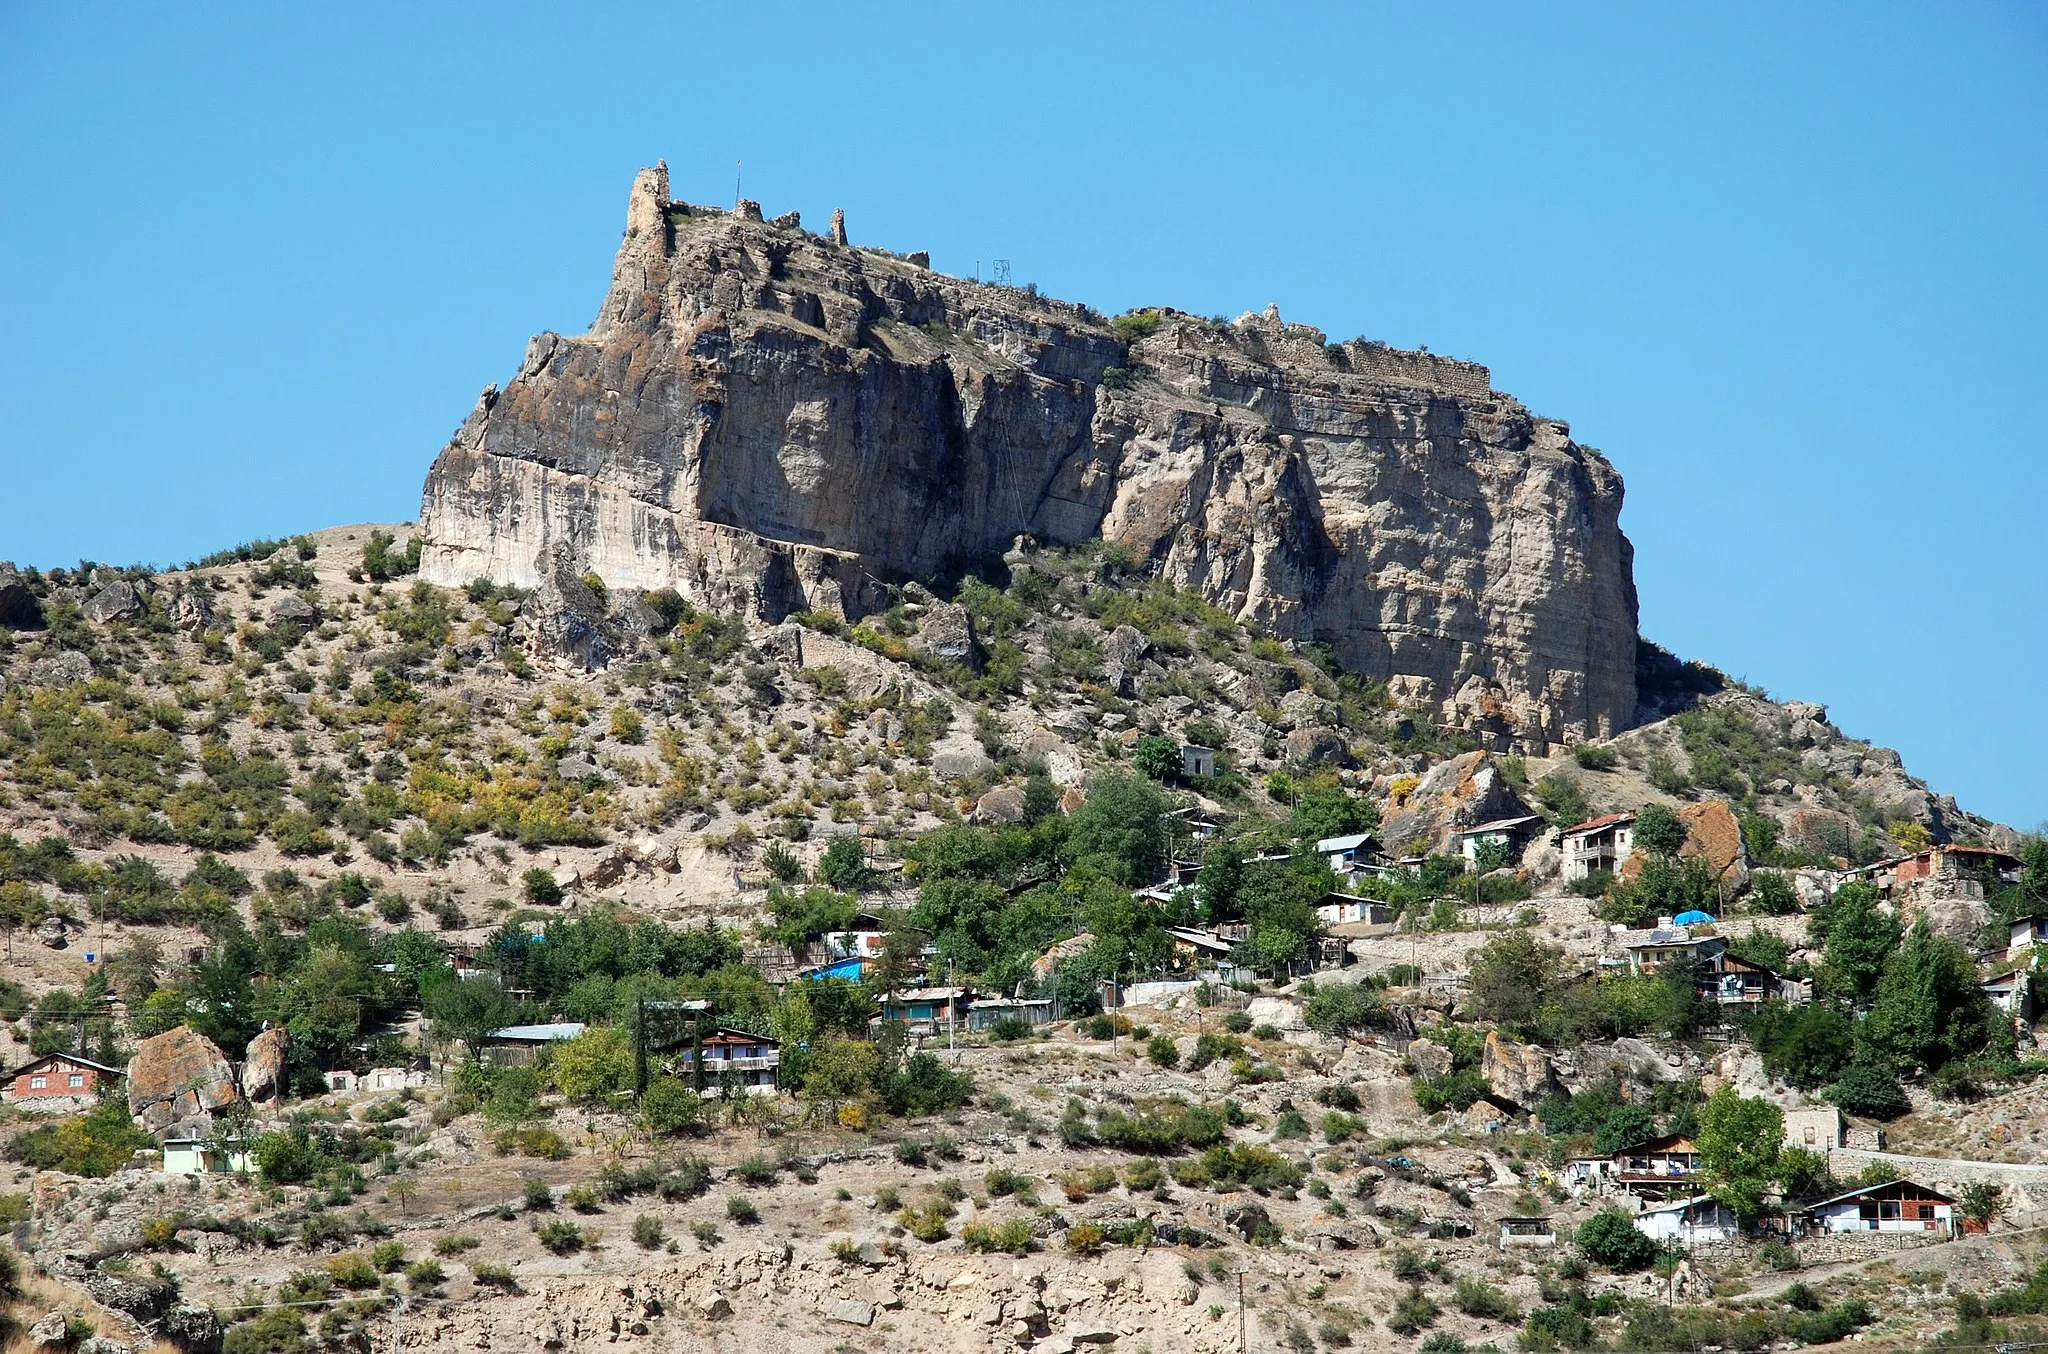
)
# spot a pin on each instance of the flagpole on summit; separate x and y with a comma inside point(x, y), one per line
point(737, 165)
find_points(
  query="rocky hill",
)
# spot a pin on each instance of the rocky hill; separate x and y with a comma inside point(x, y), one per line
point(768, 420)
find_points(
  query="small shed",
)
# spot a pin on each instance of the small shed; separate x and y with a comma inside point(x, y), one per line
point(60, 1082)
point(1030, 1010)
point(1526, 1232)
point(1895, 1206)
point(927, 1005)
point(1196, 760)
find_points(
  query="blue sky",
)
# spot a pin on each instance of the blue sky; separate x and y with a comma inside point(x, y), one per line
point(1782, 263)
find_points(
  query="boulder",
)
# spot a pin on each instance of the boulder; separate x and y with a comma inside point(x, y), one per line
point(654, 853)
point(850, 1311)
point(579, 766)
point(195, 1330)
point(1276, 1011)
point(1122, 653)
point(100, 1344)
point(1316, 744)
point(714, 1306)
point(53, 933)
point(263, 1067)
point(1520, 1074)
point(1955, 916)
point(632, 614)
point(1429, 1059)
point(292, 609)
point(1463, 791)
point(959, 757)
point(60, 669)
point(176, 1080)
point(52, 1332)
point(19, 608)
point(113, 602)
point(1627, 1062)
point(191, 609)
point(1712, 834)
point(564, 618)
point(1004, 804)
point(945, 634)
point(1247, 1219)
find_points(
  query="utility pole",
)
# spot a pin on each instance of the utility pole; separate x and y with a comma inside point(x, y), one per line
point(639, 1047)
point(737, 165)
point(1240, 1312)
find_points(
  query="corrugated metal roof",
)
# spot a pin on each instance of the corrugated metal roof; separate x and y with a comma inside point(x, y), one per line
point(540, 1034)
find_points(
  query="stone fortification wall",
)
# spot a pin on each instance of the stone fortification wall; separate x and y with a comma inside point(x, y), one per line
point(1399, 366)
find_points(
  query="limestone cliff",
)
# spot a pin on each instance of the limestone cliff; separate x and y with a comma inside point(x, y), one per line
point(767, 419)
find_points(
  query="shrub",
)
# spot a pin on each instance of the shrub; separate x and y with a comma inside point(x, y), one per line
point(538, 1196)
point(1013, 1236)
point(388, 1256)
point(927, 1224)
point(1004, 1029)
point(563, 1238)
point(1237, 1022)
point(355, 1270)
point(647, 1233)
point(1592, 757)
point(1084, 1238)
point(455, 1245)
point(423, 1275)
point(158, 1233)
point(1475, 1297)
point(1610, 1238)
point(541, 888)
point(1162, 1052)
point(1872, 1090)
point(1412, 1311)
point(740, 1209)
point(1002, 1184)
point(492, 1274)
point(1339, 1008)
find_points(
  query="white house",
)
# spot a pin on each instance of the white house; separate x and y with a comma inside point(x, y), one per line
point(1526, 1232)
point(1346, 854)
point(736, 1059)
point(1895, 1206)
point(1598, 844)
point(1513, 833)
point(1689, 1221)
point(1196, 760)
point(202, 1156)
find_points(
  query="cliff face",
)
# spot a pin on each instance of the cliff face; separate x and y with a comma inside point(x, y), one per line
point(766, 420)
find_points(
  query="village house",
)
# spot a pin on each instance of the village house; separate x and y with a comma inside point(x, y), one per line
point(1689, 1222)
point(1820, 1128)
point(1510, 833)
point(927, 1006)
point(739, 1060)
point(186, 1155)
point(1735, 981)
point(520, 1045)
point(1342, 909)
point(2012, 991)
point(1657, 1166)
point(1351, 854)
point(58, 1083)
point(1895, 1206)
point(1651, 950)
point(1204, 947)
point(1948, 864)
point(1196, 760)
point(1597, 844)
point(2025, 933)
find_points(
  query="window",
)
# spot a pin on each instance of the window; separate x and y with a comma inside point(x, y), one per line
point(38, 1083)
point(1927, 1212)
point(78, 1079)
point(1809, 1137)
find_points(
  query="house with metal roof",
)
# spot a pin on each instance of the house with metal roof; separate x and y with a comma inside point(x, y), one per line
point(1598, 844)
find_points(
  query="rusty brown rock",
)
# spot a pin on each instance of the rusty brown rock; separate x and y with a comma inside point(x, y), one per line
point(176, 1080)
point(263, 1066)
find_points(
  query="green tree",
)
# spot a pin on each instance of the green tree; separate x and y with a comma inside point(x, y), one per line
point(844, 864)
point(1610, 1238)
point(1331, 812)
point(1157, 757)
point(1739, 1140)
point(468, 1009)
point(1659, 831)
point(1280, 899)
point(595, 1065)
point(1120, 828)
point(1512, 975)
point(1871, 1089)
point(1807, 1045)
point(1221, 881)
point(1860, 939)
point(1928, 1008)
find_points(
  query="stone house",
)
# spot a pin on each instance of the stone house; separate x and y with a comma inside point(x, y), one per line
point(1196, 760)
point(1526, 1232)
point(1598, 844)
point(58, 1083)
point(1819, 1128)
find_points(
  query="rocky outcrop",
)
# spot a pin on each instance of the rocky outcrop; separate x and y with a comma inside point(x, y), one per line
point(1463, 792)
point(1519, 1074)
point(263, 1069)
point(19, 608)
point(116, 601)
point(176, 1080)
point(768, 421)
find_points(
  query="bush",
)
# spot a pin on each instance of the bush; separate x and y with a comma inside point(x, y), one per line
point(1237, 1022)
point(388, 1256)
point(1013, 1236)
point(1001, 1184)
point(1162, 1052)
point(423, 1275)
point(1593, 757)
point(740, 1209)
point(1004, 1029)
point(455, 1245)
point(1475, 1297)
point(647, 1233)
point(1339, 1008)
point(1412, 1311)
point(1610, 1238)
point(563, 1238)
point(1084, 1238)
point(1455, 1090)
point(1871, 1090)
point(353, 1271)
point(541, 888)
point(755, 1171)
point(492, 1274)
